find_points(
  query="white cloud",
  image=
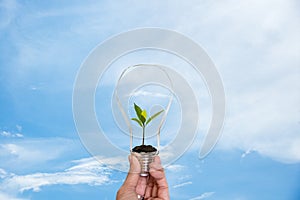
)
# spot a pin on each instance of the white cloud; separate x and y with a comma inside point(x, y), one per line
point(31, 154)
point(35, 153)
point(257, 56)
point(4, 196)
point(266, 120)
point(19, 127)
point(8, 10)
point(149, 94)
point(116, 163)
point(203, 196)
point(175, 168)
point(88, 171)
point(247, 153)
point(182, 184)
point(10, 134)
point(3, 173)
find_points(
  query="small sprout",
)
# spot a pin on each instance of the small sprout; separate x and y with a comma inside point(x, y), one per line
point(142, 120)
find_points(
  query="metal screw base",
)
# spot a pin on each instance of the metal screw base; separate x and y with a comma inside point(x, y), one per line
point(145, 159)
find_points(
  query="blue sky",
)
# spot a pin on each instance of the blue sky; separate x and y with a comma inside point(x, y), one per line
point(254, 44)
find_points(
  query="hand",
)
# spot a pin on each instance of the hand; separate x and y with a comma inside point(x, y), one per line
point(153, 187)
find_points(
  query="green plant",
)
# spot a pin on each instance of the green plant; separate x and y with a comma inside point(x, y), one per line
point(142, 118)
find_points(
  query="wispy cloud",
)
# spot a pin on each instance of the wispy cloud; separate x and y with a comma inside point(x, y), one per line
point(149, 94)
point(3, 173)
point(203, 196)
point(5, 196)
point(31, 154)
point(256, 121)
point(260, 71)
point(247, 153)
point(175, 168)
point(8, 12)
point(10, 134)
point(88, 171)
point(182, 184)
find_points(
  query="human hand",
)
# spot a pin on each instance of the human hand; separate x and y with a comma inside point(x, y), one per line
point(153, 187)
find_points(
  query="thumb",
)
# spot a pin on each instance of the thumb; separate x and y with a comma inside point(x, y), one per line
point(133, 175)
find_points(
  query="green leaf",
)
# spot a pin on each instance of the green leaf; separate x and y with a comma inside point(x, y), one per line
point(138, 121)
point(144, 114)
point(143, 119)
point(138, 111)
point(153, 116)
point(140, 114)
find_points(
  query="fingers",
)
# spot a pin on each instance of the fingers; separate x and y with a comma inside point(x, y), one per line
point(154, 190)
point(150, 185)
point(141, 185)
point(128, 189)
point(133, 174)
point(158, 174)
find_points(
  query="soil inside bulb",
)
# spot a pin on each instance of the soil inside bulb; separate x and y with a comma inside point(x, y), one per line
point(144, 148)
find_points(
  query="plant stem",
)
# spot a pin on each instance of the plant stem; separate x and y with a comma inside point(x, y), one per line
point(143, 135)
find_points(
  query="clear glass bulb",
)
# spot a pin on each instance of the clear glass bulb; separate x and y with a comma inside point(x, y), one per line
point(143, 95)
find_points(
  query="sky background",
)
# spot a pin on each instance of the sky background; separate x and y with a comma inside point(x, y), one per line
point(254, 45)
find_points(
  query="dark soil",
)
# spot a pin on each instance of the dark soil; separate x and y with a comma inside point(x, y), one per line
point(144, 148)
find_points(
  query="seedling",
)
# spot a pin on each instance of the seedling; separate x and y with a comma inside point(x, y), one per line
point(142, 120)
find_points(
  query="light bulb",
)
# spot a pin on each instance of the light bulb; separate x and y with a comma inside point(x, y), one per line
point(143, 95)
